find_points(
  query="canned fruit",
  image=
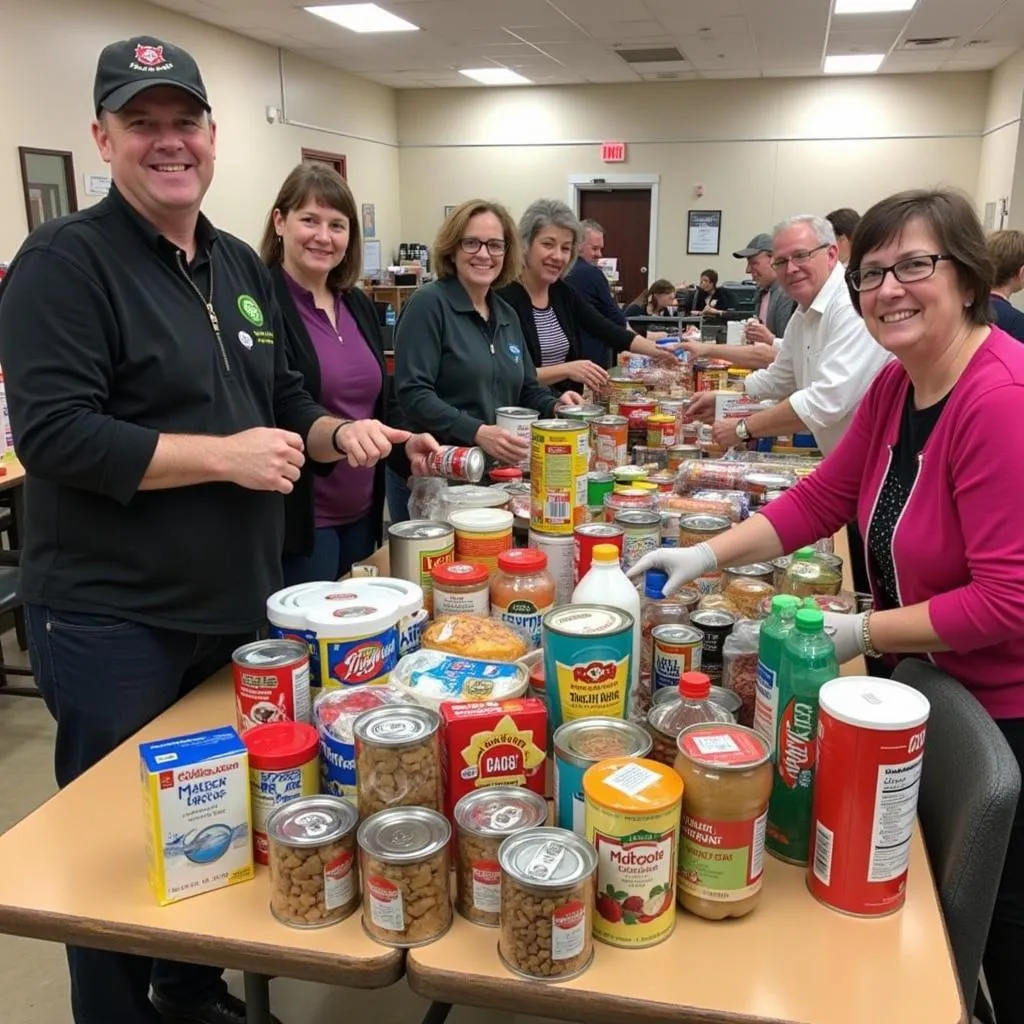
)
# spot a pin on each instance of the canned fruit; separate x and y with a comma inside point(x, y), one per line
point(559, 460)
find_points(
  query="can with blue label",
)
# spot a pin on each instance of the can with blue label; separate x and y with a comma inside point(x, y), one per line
point(358, 639)
point(583, 743)
point(288, 622)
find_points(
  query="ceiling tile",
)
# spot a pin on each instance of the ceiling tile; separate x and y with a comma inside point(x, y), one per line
point(861, 42)
point(951, 17)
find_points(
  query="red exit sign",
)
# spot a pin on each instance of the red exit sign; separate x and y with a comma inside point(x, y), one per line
point(613, 152)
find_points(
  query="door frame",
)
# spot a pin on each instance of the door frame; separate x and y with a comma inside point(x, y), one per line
point(602, 183)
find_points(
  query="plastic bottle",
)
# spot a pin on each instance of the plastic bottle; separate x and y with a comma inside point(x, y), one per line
point(808, 662)
point(389, 316)
point(656, 610)
point(606, 583)
point(666, 721)
point(774, 631)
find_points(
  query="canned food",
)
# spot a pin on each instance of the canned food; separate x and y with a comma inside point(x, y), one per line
point(661, 430)
point(759, 484)
point(763, 571)
point(641, 534)
point(271, 682)
point(461, 588)
point(481, 534)
point(358, 637)
point(415, 547)
point(680, 453)
point(710, 375)
point(584, 538)
point(637, 411)
point(559, 551)
point(517, 420)
point(581, 413)
point(456, 463)
point(598, 485)
point(714, 627)
point(560, 453)
point(578, 745)
point(631, 498)
point(632, 820)
point(663, 480)
point(675, 650)
point(608, 439)
point(404, 861)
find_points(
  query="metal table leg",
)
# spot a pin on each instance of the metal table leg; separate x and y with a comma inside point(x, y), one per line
point(257, 998)
point(437, 1013)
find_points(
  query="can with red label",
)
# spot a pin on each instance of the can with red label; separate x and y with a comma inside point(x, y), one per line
point(271, 682)
point(583, 540)
point(456, 463)
point(870, 750)
point(608, 439)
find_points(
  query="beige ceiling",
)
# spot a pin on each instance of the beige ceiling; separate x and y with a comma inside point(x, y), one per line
point(555, 42)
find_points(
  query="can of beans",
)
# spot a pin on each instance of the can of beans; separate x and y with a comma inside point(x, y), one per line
point(271, 682)
point(675, 650)
point(415, 547)
point(608, 440)
point(583, 540)
point(456, 463)
point(641, 534)
point(284, 764)
point(559, 458)
point(714, 627)
point(871, 736)
point(517, 420)
point(578, 745)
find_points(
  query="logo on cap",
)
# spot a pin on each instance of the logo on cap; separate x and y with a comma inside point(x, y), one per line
point(148, 55)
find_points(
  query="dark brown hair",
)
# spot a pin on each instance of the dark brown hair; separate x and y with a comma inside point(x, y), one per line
point(323, 185)
point(660, 287)
point(1006, 250)
point(711, 275)
point(844, 221)
point(454, 227)
point(950, 217)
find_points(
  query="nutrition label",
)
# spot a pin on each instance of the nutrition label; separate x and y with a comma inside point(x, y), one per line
point(568, 931)
point(386, 910)
point(895, 811)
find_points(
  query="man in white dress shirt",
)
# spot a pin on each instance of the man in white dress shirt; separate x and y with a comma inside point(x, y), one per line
point(827, 358)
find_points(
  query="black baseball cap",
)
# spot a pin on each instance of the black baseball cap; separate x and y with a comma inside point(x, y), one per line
point(128, 66)
point(759, 243)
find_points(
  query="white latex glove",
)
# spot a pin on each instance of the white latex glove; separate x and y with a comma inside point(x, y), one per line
point(681, 564)
point(848, 636)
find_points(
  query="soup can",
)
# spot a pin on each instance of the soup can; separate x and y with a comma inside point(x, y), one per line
point(583, 540)
point(630, 498)
point(559, 457)
point(641, 534)
point(675, 650)
point(481, 534)
point(415, 547)
point(581, 413)
point(608, 440)
point(714, 626)
point(580, 744)
point(271, 683)
point(517, 420)
point(870, 752)
point(661, 430)
point(598, 485)
point(559, 551)
point(457, 463)
point(588, 652)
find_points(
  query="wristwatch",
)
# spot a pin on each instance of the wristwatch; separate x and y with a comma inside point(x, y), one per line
point(742, 430)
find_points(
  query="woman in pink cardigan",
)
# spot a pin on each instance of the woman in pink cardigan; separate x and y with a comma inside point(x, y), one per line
point(934, 473)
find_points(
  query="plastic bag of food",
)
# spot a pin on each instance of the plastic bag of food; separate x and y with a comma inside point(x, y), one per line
point(739, 666)
point(747, 596)
point(425, 501)
point(709, 474)
point(429, 678)
point(739, 500)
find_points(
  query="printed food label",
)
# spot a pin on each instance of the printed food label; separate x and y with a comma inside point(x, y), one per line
point(524, 615)
point(429, 560)
point(596, 687)
point(339, 881)
point(634, 884)
point(473, 602)
point(386, 909)
point(798, 731)
point(568, 930)
point(632, 779)
point(766, 705)
point(368, 659)
point(503, 755)
point(486, 886)
point(721, 860)
point(466, 679)
point(895, 811)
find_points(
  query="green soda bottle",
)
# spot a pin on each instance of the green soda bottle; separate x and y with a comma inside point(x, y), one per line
point(774, 631)
point(808, 662)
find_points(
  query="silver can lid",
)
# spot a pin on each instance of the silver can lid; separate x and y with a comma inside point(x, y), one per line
point(397, 726)
point(420, 529)
point(673, 634)
point(269, 653)
point(404, 835)
point(713, 618)
point(547, 858)
point(585, 741)
point(637, 517)
point(312, 821)
point(500, 811)
point(701, 523)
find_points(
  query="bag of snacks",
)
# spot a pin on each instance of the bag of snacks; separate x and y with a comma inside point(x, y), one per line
point(739, 666)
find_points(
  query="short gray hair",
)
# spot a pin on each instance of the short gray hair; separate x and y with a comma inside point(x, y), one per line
point(543, 213)
point(591, 225)
point(823, 230)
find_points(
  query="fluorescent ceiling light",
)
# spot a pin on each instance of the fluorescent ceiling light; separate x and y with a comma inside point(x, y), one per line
point(494, 76)
point(872, 6)
point(853, 63)
point(363, 18)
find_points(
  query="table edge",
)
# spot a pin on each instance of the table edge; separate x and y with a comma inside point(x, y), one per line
point(262, 958)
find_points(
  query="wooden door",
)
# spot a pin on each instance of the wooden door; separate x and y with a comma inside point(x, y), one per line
point(625, 215)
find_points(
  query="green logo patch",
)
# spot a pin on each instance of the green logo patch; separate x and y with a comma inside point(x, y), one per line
point(250, 309)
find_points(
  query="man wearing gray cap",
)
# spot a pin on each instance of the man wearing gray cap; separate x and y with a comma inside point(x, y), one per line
point(159, 425)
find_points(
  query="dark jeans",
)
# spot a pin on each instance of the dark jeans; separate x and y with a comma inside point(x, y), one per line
point(399, 493)
point(335, 548)
point(103, 678)
point(1004, 952)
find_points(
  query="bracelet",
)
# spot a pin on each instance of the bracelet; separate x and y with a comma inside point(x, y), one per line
point(865, 637)
point(334, 437)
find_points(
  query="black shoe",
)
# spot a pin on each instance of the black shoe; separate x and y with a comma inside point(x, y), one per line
point(224, 1009)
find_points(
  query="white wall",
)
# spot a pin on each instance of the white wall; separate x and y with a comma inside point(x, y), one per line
point(48, 52)
point(998, 158)
point(763, 149)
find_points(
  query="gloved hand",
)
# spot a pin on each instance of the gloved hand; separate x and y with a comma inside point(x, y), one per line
point(681, 564)
point(848, 636)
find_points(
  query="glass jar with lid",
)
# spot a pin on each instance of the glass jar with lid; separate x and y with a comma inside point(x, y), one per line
point(461, 588)
point(809, 573)
point(522, 591)
point(665, 721)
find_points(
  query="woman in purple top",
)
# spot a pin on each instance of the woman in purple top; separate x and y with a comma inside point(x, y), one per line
point(312, 245)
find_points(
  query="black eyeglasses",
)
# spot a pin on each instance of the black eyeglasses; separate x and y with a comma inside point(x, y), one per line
point(913, 268)
point(494, 246)
point(797, 257)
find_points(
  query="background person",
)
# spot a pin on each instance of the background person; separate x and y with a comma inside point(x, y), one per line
point(658, 299)
point(844, 222)
point(312, 245)
point(1006, 250)
point(707, 297)
point(590, 281)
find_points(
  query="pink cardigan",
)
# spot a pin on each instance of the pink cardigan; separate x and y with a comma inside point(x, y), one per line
point(959, 544)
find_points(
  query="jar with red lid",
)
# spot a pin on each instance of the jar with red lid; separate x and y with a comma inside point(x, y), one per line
point(461, 588)
point(523, 590)
point(505, 474)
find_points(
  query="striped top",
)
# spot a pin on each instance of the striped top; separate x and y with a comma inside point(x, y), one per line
point(554, 345)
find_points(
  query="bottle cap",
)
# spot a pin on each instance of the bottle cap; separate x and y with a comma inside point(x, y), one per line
point(810, 620)
point(605, 553)
point(695, 686)
point(782, 603)
point(804, 554)
point(654, 583)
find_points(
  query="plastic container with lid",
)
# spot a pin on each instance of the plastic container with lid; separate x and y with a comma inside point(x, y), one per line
point(470, 496)
point(810, 573)
point(429, 678)
point(284, 764)
point(461, 588)
point(405, 864)
point(483, 819)
point(547, 904)
point(523, 590)
point(398, 758)
point(667, 720)
point(481, 534)
point(727, 781)
point(657, 610)
point(313, 876)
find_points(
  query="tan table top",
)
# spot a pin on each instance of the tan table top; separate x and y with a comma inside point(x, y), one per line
point(75, 871)
point(13, 477)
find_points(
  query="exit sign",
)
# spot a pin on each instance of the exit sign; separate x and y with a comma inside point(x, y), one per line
point(613, 152)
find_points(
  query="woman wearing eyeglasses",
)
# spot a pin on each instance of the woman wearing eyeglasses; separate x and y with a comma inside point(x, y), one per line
point(460, 353)
point(932, 471)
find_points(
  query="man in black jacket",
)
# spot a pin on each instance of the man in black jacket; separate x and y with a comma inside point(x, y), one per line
point(159, 425)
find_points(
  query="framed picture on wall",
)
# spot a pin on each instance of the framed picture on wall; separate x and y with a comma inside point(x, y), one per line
point(703, 232)
point(448, 211)
point(47, 184)
point(369, 220)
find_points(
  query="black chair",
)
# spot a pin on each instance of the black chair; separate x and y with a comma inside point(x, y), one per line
point(970, 784)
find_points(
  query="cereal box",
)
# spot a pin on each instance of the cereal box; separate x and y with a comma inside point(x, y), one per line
point(493, 743)
point(198, 820)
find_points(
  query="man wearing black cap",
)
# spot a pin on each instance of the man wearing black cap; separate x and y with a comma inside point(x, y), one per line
point(159, 425)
